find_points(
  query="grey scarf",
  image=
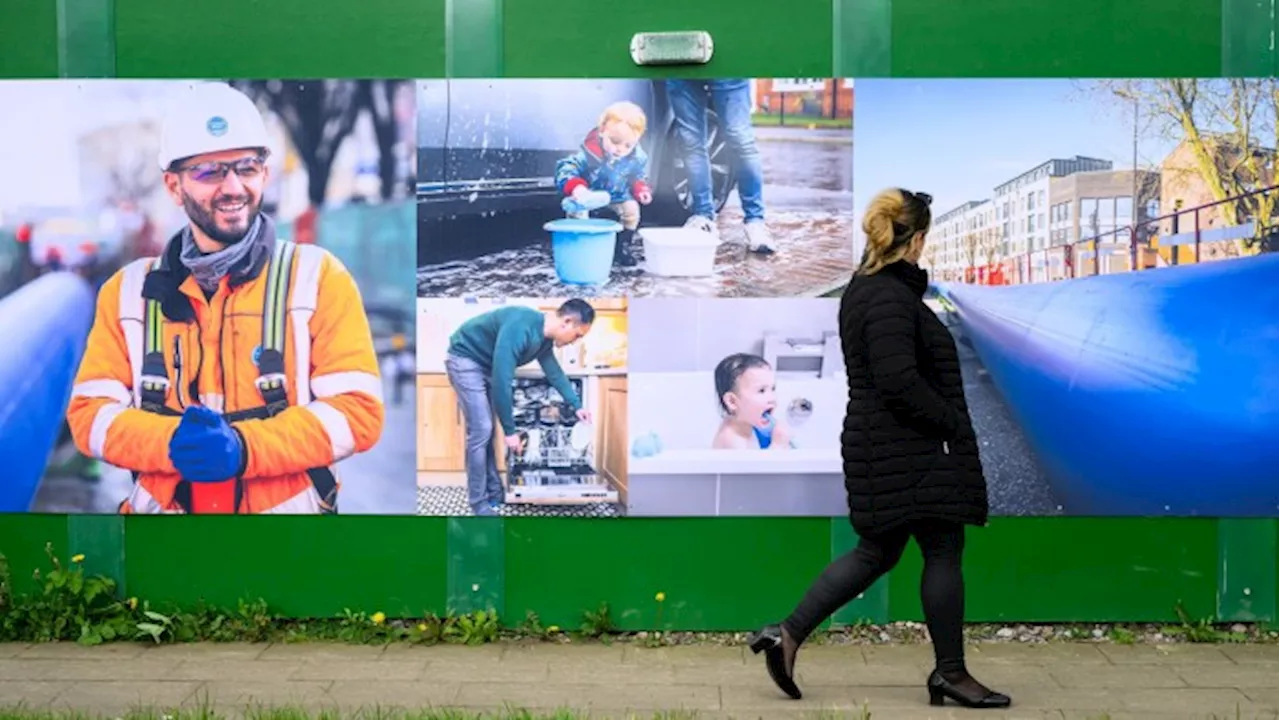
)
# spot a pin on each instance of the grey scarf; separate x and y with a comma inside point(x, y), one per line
point(209, 269)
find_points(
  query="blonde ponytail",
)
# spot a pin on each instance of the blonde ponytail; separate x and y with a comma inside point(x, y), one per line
point(887, 218)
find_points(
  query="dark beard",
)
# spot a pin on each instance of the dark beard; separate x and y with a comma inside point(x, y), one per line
point(203, 220)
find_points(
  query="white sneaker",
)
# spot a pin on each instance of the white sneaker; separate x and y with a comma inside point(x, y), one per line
point(704, 224)
point(759, 239)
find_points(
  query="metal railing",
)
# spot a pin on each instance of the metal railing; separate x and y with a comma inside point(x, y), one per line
point(1215, 231)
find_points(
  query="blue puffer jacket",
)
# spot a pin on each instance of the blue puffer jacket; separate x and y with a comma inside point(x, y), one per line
point(590, 166)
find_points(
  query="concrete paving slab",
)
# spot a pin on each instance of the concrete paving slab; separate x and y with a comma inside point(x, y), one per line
point(226, 694)
point(321, 652)
point(366, 670)
point(1116, 676)
point(30, 694)
point(76, 651)
point(208, 651)
point(1226, 676)
point(1155, 654)
point(1242, 654)
point(587, 697)
point(352, 695)
point(263, 671)
point(120, 697)
point(8, 650)
point(977, 654)
point(141, 668)
point(680, 656)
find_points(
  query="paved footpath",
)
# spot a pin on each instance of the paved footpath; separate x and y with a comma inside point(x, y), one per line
point(1077, 680)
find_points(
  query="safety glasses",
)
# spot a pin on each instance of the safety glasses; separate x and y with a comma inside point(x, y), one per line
point(213, 172)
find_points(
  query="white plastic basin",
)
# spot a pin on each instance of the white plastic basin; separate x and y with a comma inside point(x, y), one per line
point(678, 251)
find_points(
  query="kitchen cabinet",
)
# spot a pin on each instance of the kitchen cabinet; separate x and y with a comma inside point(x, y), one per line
point(611, 431)
point(442, 432)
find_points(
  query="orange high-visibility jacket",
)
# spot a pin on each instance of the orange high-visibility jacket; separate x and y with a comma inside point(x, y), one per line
point(211, 356)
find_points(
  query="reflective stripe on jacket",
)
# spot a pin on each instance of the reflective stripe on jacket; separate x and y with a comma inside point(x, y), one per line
point(332, 379)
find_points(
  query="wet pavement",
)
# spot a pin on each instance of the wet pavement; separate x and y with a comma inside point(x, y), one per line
point(808, 199)
point(1016, 483)
point(380, 482)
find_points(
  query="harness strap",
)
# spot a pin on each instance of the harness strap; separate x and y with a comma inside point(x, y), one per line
point(271, 381)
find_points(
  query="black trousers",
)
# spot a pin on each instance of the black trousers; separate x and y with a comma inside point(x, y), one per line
point(941, 585)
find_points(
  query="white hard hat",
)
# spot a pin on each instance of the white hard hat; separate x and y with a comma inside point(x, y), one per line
point(210, 117)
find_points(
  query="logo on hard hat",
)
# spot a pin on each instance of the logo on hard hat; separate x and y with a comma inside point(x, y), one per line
point(217, 126)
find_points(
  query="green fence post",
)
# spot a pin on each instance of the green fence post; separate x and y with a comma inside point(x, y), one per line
point(1248, 38)
point(86, 38)
point(100, 538)
point(477, 564)
point(871, 606)
point(1247, 572)
point(473, 38)
point(862, 38)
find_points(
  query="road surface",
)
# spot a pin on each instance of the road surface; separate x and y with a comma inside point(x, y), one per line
point(808, 197)
point(1016, 483)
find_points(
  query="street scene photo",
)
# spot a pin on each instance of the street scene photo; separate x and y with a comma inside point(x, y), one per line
point(736, 407)
point(522, 407)
point(207, 301)
point(1104, 254)
point(729, 187)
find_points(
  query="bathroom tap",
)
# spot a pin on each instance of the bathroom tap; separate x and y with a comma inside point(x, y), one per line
point(826, 350)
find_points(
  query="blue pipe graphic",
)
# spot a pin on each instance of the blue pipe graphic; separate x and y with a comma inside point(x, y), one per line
point(44, 325)
point(1146, 393)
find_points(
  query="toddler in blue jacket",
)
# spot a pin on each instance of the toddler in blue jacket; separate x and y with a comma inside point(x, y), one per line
point(611, 161)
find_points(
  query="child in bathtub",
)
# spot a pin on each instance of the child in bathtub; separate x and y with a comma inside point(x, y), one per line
point(746, 391)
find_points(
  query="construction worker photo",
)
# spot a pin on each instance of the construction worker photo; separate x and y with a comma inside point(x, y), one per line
point(230, 373)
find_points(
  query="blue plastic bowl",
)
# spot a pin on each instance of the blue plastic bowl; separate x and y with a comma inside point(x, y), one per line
point(583, 249)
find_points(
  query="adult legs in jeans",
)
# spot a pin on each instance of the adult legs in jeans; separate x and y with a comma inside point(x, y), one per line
point(941, 595)
point(731, 99)
point(471, 384)
point(688, 100)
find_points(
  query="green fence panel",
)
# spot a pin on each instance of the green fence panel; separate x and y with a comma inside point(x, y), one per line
point(753, 38)
point(863, 37)
point(22, 542)
point(28, 39)
point(1034, 38)
point(280, 39)
point(302, 566)
point(473, 38)
point(716, 573)
point(873, 605)
point(100, 538)
point(1248, 38)
point(1058, 569)
point(1247, 570)
point(86, 38)
point(477, 575)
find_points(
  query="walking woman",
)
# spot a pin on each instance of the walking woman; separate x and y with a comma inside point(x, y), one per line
point(910, 455)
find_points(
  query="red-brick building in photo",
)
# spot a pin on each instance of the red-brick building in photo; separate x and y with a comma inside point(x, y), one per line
point(805, 97)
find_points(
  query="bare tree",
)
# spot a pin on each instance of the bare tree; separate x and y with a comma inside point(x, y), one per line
point(972, 243)
point(379, 96)
point(1231, 127)
point(319, 115)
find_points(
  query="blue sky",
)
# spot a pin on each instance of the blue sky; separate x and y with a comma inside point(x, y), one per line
point(958, 139)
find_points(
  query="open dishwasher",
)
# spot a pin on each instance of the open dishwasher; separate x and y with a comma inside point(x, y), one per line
point(556, 463)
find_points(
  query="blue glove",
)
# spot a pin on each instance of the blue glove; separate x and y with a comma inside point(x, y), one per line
point(205, 448)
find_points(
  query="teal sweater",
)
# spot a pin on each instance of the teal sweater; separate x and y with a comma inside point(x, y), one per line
point(502, 340)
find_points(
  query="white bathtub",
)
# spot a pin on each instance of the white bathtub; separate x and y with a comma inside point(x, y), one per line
point(688, 477)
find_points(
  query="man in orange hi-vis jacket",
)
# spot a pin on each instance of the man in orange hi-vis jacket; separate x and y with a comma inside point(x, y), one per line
point(232, 372)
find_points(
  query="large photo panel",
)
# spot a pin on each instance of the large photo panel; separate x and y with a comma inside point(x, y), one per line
point(206, 296)
point(522, 406)
point(1104, 253)
point(727, 187)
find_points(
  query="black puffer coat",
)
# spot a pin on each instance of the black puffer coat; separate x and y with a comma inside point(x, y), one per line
point(908, 444)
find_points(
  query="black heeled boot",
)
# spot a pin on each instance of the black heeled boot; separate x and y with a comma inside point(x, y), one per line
point(769, 639)
point(964, 691)
point(622, 249)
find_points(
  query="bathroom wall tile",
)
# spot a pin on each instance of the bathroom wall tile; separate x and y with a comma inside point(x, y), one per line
point(662, 335)
point(787, 495)
point(735, 325)
point(671, 495)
